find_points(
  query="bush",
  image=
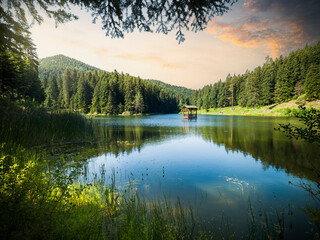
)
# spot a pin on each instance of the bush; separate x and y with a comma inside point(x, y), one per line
point(301, 100)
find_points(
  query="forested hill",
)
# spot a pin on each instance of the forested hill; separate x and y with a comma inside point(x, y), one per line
point(56, 65)
point(177, 89)
point(71, 84)
point(296, 76)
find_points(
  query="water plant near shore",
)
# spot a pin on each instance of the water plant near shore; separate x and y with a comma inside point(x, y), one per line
point(32, 126)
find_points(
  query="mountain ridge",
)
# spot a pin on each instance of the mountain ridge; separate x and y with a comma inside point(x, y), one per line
point(55, 65)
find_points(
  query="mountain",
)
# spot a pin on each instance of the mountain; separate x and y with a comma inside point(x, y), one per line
point(71, 84)
point(176, 89)
point(56, 65)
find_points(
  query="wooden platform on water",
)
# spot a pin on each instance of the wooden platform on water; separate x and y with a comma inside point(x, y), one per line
point(189, 112)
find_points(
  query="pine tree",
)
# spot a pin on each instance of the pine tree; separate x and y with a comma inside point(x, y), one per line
point(60, 89)
point(128, 97)
point(120, 108)
point(312, 84)
point(231, 89)
point(110, 107)
point(299, 89)
point(238, 88)
point(44, 82)
point(138, 103)
point(268, 76)
point(31, 81)
point(284, 86)
point(83, 97)
point(52, 93)
point(253, 88)
point(74, 81)
point(206, 100)
point(67, 87)
point(224, 95)
point(213, 95)
point(96, 107)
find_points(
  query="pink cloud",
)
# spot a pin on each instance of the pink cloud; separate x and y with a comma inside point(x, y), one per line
point(275, 35)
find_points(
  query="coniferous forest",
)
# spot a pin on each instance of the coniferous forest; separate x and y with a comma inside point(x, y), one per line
point(71, 84)
point(277, 81)
point(102, 92)
point(60, 82)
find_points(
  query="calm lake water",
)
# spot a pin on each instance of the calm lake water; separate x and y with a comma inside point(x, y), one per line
point(216, 164)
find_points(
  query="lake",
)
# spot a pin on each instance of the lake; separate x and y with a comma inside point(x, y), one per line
point(221, 166)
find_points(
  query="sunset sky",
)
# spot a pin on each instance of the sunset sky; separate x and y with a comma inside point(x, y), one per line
point(239, 40)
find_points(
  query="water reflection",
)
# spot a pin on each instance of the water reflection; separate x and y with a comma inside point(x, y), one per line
point(216, 164)
point(251, 136)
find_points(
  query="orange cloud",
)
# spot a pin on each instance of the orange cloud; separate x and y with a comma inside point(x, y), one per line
point(249, 4)
point(276, 36)
point(148, 59)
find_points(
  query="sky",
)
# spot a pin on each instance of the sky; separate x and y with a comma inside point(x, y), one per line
point(237, 41)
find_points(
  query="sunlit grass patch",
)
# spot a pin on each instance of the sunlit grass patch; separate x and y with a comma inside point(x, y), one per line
point(278, 110)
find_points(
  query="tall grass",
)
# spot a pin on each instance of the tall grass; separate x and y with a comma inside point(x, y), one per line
point(38, 202)
point(32, 126)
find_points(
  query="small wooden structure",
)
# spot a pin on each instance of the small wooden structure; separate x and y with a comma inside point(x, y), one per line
point(189, 112)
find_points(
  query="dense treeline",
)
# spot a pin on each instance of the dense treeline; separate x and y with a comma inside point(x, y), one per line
point(70, 84)
point(109, 93)
point(184, 93)
point(279, 80)
point(19, 73)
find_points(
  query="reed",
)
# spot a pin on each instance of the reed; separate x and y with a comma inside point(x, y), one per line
point(39, 201)
point(32, 126)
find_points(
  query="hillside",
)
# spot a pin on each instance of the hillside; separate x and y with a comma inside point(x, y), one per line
point(286, 109)
point(56, 65)
point(72, 84)
point(176, 89)
point(296, 76)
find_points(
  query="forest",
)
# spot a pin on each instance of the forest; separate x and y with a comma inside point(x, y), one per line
point(60, 82)
point(296, 76)
point(71, 84)
point(67, 83)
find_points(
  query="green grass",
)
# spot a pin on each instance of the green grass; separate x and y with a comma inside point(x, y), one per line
point(279, 110)
point(27, 125)
point(42, 203)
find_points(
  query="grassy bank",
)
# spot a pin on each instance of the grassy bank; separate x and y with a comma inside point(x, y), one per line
point(41, 202)
point(278, 110)
point(23, 123)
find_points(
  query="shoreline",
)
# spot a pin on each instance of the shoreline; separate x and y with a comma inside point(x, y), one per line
point(275, 110)
point(286, 109)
